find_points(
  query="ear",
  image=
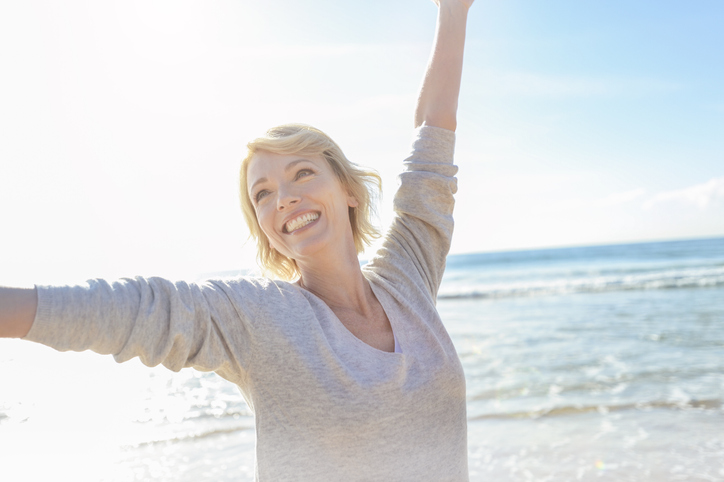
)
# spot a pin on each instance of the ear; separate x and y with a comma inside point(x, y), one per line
point(352, 201)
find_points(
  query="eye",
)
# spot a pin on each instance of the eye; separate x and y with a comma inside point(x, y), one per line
point(261, 195)
point(303, 173)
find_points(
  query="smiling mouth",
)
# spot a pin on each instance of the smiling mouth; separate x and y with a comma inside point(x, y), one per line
point(299, 222)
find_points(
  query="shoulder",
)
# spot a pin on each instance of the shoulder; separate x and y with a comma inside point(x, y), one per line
point(258, 298)
point(253, 290)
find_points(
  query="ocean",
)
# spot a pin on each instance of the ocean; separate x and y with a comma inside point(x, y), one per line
point(585, 363)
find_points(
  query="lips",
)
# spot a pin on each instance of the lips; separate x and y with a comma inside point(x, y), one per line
point(300, 221)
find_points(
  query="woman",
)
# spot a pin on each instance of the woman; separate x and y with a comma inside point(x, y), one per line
point(349, 371)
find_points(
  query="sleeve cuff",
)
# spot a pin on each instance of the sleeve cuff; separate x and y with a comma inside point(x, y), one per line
point(433, 144)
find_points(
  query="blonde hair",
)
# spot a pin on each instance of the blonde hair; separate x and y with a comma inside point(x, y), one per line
point(362, 184)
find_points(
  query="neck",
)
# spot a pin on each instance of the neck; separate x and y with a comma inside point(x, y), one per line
point(338, 281)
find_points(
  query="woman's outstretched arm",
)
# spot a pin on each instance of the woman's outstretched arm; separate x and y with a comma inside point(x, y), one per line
point(17, 311)
point(438, 100)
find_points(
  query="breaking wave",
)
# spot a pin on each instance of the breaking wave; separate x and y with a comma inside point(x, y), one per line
point(656, 280)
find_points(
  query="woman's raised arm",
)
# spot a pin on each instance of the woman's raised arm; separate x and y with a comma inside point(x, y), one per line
point(437, 103)
point(17, 311)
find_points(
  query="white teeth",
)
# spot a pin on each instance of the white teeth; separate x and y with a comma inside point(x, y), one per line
point(301, 221)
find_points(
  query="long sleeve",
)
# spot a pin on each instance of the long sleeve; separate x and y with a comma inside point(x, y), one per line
point(174, 324)
point(421, 231)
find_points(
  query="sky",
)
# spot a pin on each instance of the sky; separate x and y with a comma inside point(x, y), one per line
point(123, 122)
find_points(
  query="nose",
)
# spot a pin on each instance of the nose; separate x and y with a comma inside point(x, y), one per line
point(286, 200)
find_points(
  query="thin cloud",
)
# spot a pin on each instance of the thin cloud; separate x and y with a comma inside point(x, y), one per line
point(618, 198)
point(702, 196)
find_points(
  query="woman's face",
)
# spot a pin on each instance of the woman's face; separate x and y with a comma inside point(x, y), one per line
point(301, 206)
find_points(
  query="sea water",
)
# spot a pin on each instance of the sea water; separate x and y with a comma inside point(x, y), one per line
point(588, 363)
point(592, 363)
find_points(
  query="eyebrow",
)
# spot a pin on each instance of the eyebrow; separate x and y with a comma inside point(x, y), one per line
point(286, 169)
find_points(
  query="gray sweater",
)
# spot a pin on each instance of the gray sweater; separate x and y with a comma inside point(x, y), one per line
point(327, 406)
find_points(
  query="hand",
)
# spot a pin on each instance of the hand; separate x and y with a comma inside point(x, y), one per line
point(465, 3)
point(17, 311)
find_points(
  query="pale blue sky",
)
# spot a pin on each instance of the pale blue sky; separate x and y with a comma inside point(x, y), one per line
point(123, 122)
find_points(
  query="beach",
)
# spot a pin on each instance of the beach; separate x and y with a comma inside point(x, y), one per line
point(587, 363)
